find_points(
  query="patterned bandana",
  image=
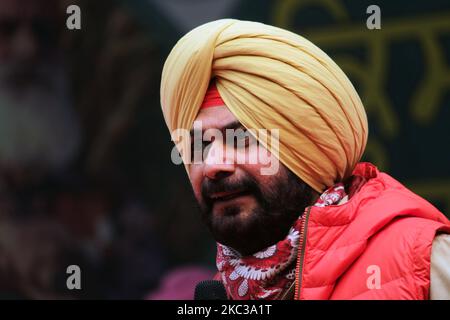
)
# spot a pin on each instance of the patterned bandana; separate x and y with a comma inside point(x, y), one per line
point(269, 272)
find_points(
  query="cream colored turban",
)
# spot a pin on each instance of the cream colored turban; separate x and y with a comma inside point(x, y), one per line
point(273, 79)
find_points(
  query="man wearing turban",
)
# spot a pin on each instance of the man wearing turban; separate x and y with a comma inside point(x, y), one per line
point(294, 213)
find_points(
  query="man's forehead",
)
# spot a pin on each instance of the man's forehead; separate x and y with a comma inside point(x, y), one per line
point(215, 117)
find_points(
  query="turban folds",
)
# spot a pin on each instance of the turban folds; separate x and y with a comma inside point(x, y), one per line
point(273, 79)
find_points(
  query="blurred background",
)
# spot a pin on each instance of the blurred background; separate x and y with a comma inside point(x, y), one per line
point(85, 170)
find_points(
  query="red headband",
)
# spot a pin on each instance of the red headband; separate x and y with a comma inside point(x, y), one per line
point(212, 97)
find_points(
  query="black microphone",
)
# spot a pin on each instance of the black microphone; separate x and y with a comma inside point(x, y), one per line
point(210, 290)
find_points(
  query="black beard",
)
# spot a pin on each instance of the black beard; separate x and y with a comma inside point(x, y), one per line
point(278, 206)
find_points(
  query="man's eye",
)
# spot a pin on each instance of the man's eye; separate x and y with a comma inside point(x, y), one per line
point(242, 139)
point(198, 148)
point(195, 149)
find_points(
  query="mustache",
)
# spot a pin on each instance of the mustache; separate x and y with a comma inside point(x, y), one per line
point(209, 187)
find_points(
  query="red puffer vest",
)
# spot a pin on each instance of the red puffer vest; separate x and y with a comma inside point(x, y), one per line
point(383, 231)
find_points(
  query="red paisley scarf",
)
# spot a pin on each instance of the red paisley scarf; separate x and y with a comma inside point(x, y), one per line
point(269, 272)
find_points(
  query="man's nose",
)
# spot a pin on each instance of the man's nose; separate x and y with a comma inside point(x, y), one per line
point(219, 161)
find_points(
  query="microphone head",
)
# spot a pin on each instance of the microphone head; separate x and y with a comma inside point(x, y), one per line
point(210, 290)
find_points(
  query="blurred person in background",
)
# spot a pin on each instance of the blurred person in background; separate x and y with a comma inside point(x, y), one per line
point(40, 137)
point(39, 130)
point(59, 167)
